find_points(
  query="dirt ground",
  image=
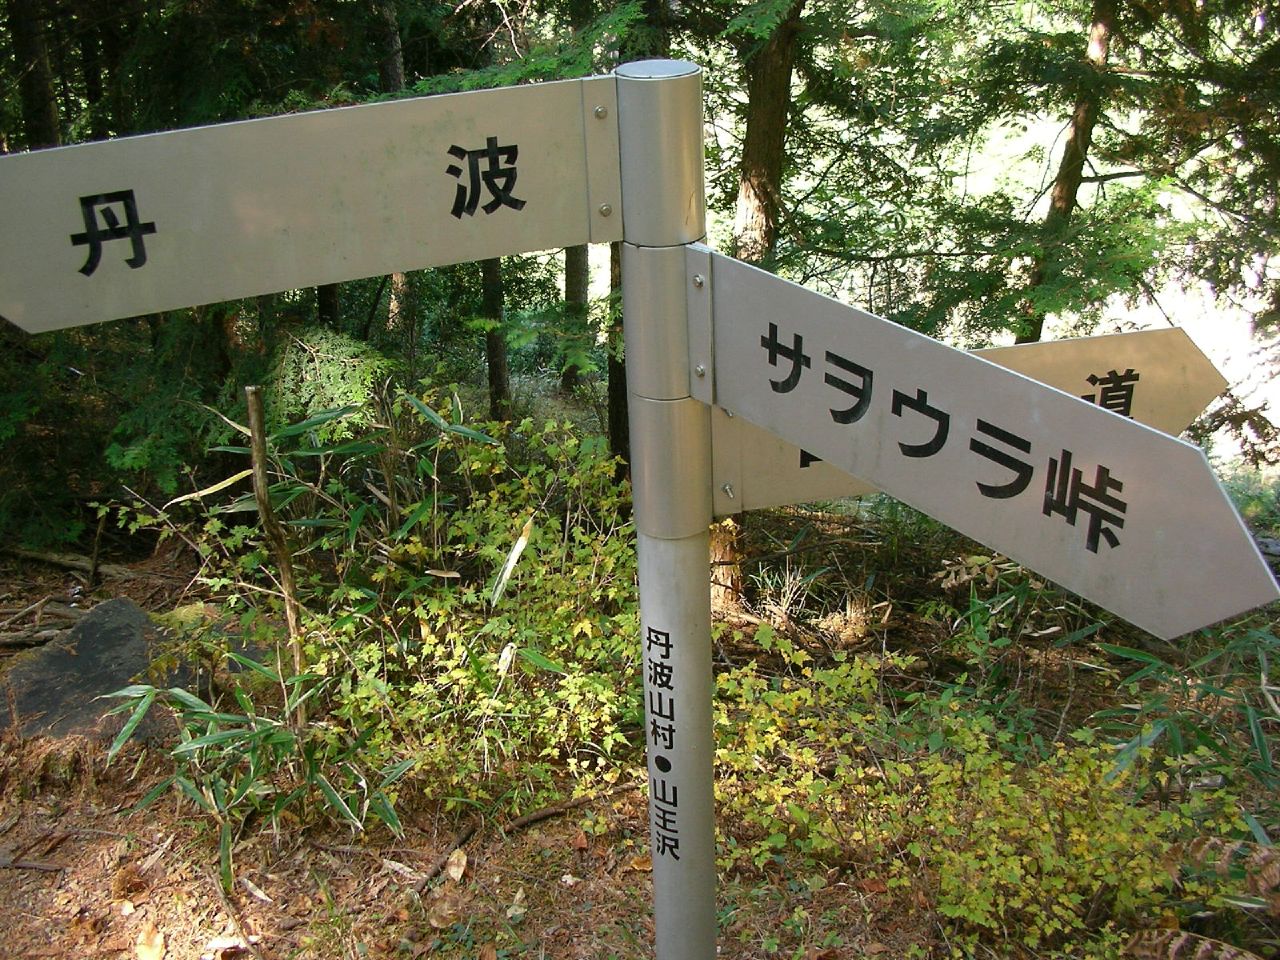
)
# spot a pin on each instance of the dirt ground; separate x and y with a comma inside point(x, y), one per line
point(82, 874)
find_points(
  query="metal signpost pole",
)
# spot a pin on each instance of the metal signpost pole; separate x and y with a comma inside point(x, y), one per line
point(663, 208)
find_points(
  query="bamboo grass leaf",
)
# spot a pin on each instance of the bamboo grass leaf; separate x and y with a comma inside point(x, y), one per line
point(320, 419)
point(220, 485)
point(131, 724)
point(521, 542)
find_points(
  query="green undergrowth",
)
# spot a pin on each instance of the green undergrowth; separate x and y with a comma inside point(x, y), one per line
point(982, 746)
point(466, 612)
point(1036, 854)
point(900, 715)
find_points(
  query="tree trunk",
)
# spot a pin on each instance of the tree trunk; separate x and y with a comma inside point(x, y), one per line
point(391, 62)
point(619, 428)
point(26, 24)
point(495, 340)
point(1066, 186)
point(400, 320)
point(391, 80)
point(756, 229)
point(577, 278)
point(656, 39)
point(88, 39)
point(328, 305)
point(764, 145)
point(115, 32)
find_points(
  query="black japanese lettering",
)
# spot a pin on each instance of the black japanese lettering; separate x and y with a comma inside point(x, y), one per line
point(1115, 391)
point(661, 705)
point(666, 801)
point(110, 228)
point(665, 844)
point(659, 640)
point(660, 674)
point(665, 793)
point(498, 177)
point(920, 404)
point(795, 353)
point(662, 734)
point(861, 393)
point(1066, 494)
point(664, 819)
point(1022, 471)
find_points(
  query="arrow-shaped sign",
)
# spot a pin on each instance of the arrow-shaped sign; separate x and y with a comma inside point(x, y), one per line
point(158, 222)
point(1111, 509)
point(1157, 377)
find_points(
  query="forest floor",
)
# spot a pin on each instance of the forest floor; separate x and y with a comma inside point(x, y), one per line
point(84, 874)
point(89, 878)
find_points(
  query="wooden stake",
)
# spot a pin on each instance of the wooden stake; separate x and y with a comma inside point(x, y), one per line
point(271, 527)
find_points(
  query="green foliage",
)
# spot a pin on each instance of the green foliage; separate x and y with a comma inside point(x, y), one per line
point(1046, 850)
point(580, 55)
point(1207, 716)
point(1257, 496)
point(948, 785)
point(85, 411)
point(759, 20)
point(534, 674)
point(260, 761)
point(1006, 609)
point(317, 370)
point(1036, 853)
point(469, 596)
point(547, 339)
point(788, 751)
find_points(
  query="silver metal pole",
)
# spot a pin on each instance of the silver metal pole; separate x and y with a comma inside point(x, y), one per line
point(663, 208)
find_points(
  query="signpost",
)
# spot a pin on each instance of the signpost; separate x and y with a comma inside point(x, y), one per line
point(1157, 377)
point(169, 220)
point(1110, 508)
point(660, 111)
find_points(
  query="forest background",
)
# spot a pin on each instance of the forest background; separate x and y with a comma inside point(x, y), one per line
point(428, 428)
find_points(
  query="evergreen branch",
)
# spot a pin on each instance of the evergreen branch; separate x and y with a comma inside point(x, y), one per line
point(1108, 177)
point(902, 255)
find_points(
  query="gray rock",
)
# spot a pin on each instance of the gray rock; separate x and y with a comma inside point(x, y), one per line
point(54, 689)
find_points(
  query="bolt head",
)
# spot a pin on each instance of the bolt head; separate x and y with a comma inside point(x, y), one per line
point(606, 209)
point(601, 111)
point(700, 370)
point(699, 280)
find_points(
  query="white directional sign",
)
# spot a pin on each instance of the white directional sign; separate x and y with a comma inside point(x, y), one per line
point(1111, 509)
point(1157, 377)
point(157, 222)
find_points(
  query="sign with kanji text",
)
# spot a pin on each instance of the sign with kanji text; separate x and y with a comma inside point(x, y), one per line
point(1157, 377)
point(169, 220)
point(1113, 510)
